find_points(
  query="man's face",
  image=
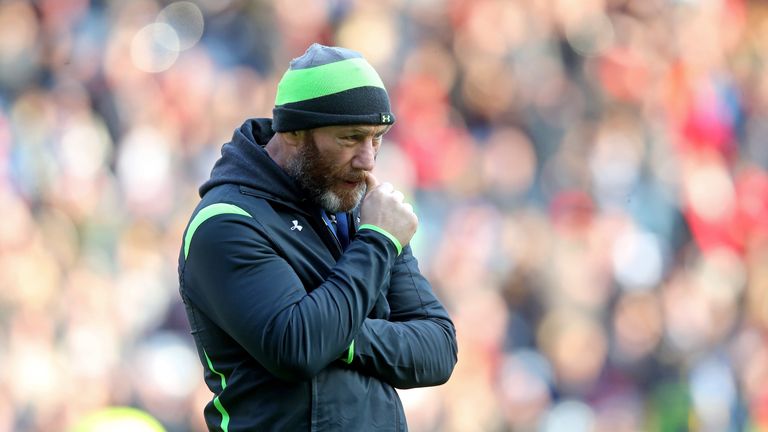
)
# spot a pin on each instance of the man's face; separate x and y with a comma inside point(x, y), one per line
point(331, 163)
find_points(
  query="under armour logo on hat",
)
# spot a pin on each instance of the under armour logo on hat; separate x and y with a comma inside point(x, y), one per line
point(386, 118)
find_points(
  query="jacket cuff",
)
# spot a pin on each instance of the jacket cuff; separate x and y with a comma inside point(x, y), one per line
point(386, 233)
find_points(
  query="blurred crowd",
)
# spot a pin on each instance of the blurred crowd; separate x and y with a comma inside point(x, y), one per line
point(590, 178)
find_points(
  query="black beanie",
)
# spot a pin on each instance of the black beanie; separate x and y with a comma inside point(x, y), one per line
point(329, 86)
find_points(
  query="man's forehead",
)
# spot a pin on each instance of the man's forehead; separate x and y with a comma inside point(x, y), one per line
point(363, 129)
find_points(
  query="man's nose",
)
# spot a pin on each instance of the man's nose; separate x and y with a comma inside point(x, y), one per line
point(365, 158)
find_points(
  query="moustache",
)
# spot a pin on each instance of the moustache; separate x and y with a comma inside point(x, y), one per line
point(355, 178)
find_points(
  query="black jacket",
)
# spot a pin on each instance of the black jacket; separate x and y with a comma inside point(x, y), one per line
point(277, 310)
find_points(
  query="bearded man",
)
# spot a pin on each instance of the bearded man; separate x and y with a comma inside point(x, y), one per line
point(305, 301)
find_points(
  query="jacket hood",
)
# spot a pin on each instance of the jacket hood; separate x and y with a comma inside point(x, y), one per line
point(245, 162)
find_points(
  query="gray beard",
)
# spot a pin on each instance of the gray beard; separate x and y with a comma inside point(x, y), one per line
point(330, 202)
point(300, 168)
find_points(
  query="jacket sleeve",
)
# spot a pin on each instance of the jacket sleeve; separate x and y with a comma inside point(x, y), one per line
point(417, 346)
point(237, 279)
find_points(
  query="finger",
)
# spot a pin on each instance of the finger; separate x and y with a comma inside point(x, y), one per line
point(371, 182)
point(399, 197)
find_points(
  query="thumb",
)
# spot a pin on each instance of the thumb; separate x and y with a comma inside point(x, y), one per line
point(371, 182)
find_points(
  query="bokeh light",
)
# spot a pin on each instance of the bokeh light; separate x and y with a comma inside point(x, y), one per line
point(187, 21)
point(155, 47)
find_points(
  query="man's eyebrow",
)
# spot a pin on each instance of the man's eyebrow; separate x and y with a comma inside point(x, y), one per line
point(362, 130)
point(385, 130)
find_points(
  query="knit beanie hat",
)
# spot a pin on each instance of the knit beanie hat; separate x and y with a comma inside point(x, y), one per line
point(329, 86)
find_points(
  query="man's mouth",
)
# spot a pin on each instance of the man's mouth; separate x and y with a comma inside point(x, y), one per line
point(353, 180)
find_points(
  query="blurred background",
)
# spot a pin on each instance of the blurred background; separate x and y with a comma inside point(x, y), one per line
point(590, 177)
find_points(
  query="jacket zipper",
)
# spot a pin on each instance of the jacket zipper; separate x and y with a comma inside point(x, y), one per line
point(331, 232)
point(352, 221)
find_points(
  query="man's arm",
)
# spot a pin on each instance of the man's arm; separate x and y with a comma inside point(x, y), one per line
point(417, 346)
point(233, 274)
point(235, 277)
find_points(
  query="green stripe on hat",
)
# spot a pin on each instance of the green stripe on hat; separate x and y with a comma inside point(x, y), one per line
point(302, 84)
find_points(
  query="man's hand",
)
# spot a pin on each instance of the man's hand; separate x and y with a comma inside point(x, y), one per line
point(383, 206)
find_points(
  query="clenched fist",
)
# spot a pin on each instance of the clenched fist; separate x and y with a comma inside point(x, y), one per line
point(383, 206)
